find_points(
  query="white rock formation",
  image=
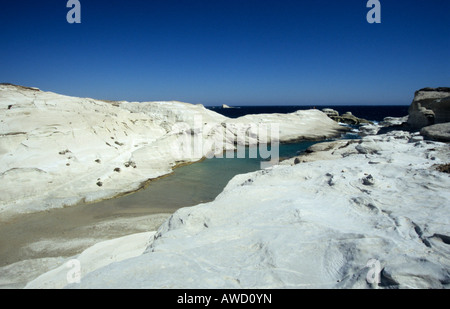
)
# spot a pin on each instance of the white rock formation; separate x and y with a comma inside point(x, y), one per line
point(58, 150)
point(437, 132)
point(388, 124)
point(357, 214)
point(430, 106)
point(97, 256)
point(45, 253)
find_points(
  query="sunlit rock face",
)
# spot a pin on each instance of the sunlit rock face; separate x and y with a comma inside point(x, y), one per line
point(58, 150)
point(430, 106)
point(369, 213)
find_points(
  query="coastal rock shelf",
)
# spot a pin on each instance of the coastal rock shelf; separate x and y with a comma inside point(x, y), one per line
point(430, 106)
point(367, 213)
point(347, 118)
point(57, 150)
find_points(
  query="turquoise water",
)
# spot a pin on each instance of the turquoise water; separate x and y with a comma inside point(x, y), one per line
point(190, 185)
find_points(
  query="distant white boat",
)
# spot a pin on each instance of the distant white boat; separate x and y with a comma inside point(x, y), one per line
point(226, 106)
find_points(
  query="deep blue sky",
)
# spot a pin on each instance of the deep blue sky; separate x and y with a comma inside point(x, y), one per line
point(228, 51)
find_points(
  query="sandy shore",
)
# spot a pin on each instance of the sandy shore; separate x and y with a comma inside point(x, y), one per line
point(36, 243)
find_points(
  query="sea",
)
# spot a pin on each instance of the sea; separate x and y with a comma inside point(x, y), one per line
point(374, 113)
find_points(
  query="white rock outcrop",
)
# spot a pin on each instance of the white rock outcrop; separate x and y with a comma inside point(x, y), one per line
point(437, 132)
point(430, 106)
point(57, 150)
point(355, 214)
point(97, 256)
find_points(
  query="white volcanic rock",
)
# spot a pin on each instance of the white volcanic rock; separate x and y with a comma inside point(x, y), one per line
point(374, 211)
point(430, 106)
point(301, 125)
point(46, 253)
point(388, 124)
point(438, 132)
point(97, 256)
point(58, 150)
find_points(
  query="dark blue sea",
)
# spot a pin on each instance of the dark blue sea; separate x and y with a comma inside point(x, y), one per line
point(369, 112)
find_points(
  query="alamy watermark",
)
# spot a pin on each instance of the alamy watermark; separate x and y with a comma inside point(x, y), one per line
point(74, 273)
point(230, 140)
point(74, 14)
point(374, 274)
point(374, 15)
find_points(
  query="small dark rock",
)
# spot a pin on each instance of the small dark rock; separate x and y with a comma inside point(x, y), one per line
point(130, 163)
point(99, 183)
point(368, 180)
point(296, 161)
point(444, 168)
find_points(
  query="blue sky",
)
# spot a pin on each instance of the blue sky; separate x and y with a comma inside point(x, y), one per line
point(247, 52)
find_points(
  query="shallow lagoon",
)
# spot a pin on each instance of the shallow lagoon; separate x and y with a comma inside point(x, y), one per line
point(68, 231)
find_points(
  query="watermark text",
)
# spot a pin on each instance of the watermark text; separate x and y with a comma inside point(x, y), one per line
point(74, 14)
